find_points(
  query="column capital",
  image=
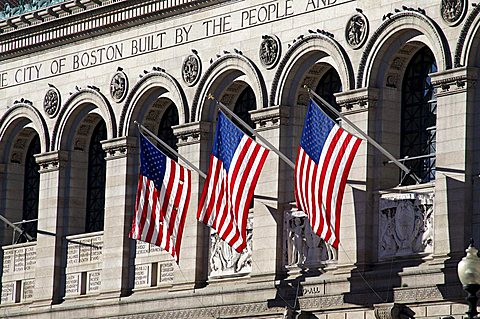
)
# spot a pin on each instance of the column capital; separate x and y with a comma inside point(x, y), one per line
point(271, 117)
point(192, 133)
point(119, 147)
point(454, 81)
point(50, 161)
point(358, 100)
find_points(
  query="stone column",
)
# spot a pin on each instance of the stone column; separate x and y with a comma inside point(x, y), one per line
point(455, 148)
point(356, 224)
point(195, 145)
point(50, 251)
point(273, 194)
point(120, 190)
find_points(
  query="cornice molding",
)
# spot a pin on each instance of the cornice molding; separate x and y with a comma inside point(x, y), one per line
point(18, 35)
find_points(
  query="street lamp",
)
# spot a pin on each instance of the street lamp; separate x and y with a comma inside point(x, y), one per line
point(469, 274)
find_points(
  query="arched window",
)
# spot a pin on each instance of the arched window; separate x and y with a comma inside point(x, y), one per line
point(31, 186)
point(165, 130)
point(96, 180)
point(328, 85)
point(418, 118)
point(246, 102)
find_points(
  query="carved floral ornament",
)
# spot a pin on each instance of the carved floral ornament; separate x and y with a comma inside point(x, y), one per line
point(453, 11)
point(269, 51)
point(356, 30)
point(119, 86)
point(51, 101)
point(191, 69)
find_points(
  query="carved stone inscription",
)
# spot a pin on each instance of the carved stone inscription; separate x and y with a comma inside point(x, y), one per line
point(304, 248)
point(87, 250)
point(72, 284)
point(8, 290)
point(28, 286)
point(166, 272)
point(7, 261)
point(94, 281)
point(405, 224)
point(142, 275)
point(19, 263)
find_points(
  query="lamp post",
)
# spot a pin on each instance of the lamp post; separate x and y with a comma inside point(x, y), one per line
point(469, 274)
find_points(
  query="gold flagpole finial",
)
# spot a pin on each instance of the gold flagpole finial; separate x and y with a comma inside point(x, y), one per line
point(210, 96)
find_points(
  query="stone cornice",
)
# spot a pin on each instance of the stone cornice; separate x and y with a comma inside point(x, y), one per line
point(119, 147)
point(192, 133)
point(270, 117)
point(74, 20)
point(50, 161)
point(357, 100)
point(455, 80)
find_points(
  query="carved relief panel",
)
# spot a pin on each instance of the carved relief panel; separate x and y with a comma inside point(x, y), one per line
point(227, 262)
point(302, 247)
point(405, 224)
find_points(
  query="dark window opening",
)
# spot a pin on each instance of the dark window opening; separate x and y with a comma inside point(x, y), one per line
point(328, 85)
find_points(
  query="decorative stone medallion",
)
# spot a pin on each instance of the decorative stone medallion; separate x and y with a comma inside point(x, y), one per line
point(51, 101)
point(191, 69)
point(453, 11)
point(269, 52)
point(356, 30)
point(119, 85)
point(405, 224)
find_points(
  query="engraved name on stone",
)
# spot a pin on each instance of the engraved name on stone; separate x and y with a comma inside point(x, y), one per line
point(72, 284)
point(7, 261)
point(96, 252)
point(73, 253)
point(142, 248)
point(94, 281)
point(31, 258)
point(7, 292)
point(85, 250)
point(142, 275)
point(19, 264)
point(166, 272)
point(28, 286)
point(161, 39)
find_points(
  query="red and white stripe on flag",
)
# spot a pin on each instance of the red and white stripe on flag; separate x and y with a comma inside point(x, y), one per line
point(235, 165)
point(320, 184)
point(160, 211)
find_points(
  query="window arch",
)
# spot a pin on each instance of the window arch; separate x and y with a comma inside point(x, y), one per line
point(165, 129)
point(96, 180)
point(328, 85)
point(418, 117)
point(246, 102)
point(31, 188)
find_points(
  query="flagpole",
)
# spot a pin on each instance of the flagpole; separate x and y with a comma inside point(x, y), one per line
point(365, 136)
point(248, 128)
point(9, 223)
point(202, 174)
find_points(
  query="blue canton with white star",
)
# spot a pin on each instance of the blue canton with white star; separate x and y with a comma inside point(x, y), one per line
point(227, 138)
point(153, 162)
point(315, 131)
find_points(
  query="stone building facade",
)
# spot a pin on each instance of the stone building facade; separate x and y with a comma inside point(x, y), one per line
point(75, 75)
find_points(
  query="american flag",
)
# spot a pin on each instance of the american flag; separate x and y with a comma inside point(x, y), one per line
point(235, 165)
point(163, 196)
point(324, 158)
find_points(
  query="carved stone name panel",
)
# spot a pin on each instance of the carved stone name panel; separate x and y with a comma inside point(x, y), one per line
point(18, 272)
point(27, 292)
point(166, 272)
point(405, 224)
point(94, 281)
point(8, 292)
point(72, 284)
point(226, 261)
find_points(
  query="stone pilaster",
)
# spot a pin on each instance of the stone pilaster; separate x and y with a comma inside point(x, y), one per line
point(356, 228)
point(194, 143)
point(120, 188)
point(273, 193)
point(50, 264)
point(455, 148)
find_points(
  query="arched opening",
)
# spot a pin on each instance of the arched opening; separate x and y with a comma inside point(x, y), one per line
point(245, 103)
point(165, 129)
point(328, 85)
point(31, 188)
point(418, 117)
point(95, 208)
